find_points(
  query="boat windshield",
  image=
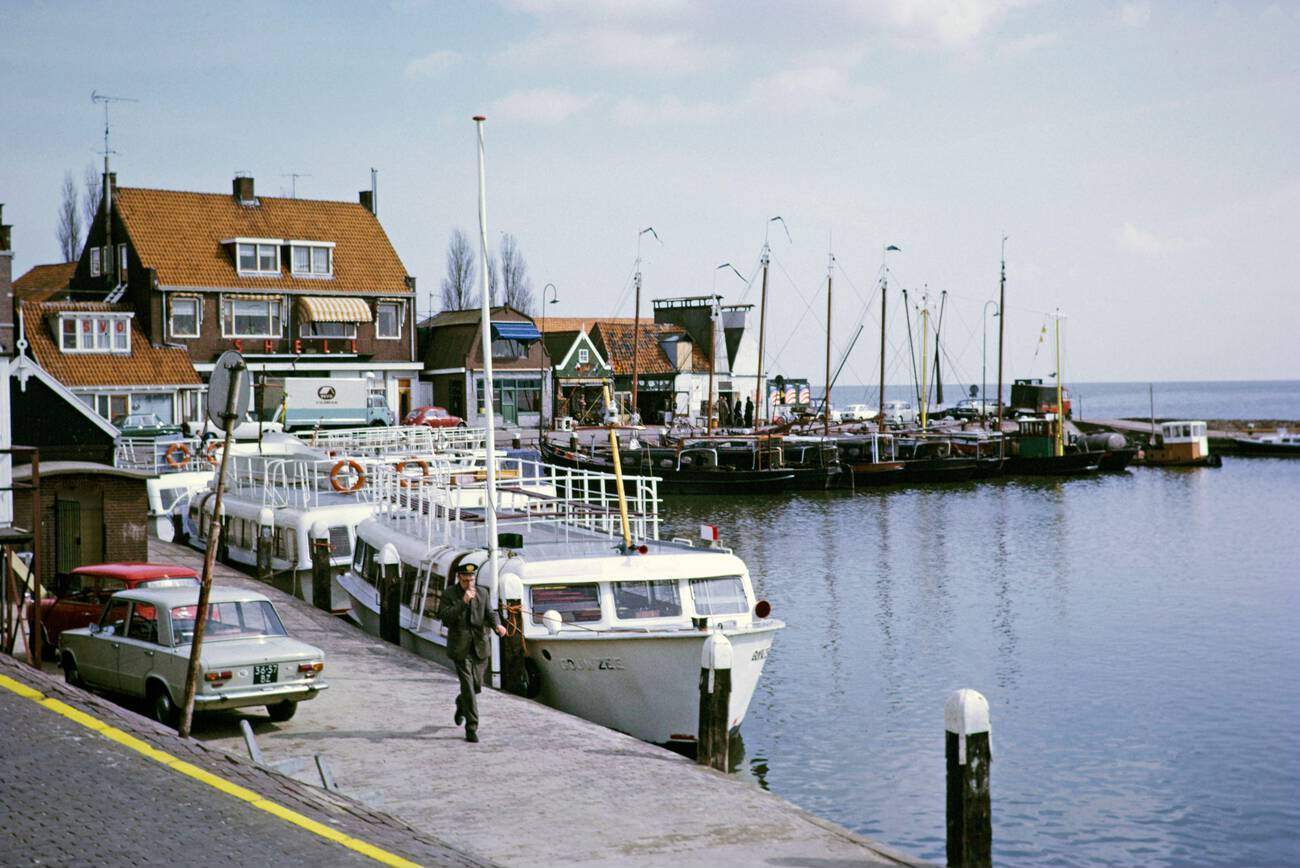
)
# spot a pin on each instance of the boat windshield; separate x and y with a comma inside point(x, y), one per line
point(235, 620)
point(573, 602)
point(647, 600)
point(724, 595)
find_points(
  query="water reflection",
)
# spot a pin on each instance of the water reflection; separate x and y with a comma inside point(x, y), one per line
point(1084, 609)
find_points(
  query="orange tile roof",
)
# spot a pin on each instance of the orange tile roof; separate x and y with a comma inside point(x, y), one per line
point(42, 281)
point(179, 234)
point(579, 323)
point(615, 341)
point(145, 365)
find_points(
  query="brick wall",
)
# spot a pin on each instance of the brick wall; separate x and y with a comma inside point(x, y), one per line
point(124, 525)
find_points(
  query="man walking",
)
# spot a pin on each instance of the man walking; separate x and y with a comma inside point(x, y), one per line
point(466, 614)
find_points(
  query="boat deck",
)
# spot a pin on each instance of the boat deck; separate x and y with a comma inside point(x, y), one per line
point(538, 776)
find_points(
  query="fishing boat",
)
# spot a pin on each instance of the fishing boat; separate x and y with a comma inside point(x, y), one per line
point(1180, 443)
point(613, 632)
point(1034, 450)
point(1281, 443)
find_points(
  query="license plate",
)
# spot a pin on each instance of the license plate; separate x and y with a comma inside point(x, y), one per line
point(266, 673)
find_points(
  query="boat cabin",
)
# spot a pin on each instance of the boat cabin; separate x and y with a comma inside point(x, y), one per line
point(1179, 441)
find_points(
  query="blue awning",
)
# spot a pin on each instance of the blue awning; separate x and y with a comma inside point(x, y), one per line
point(515, 331)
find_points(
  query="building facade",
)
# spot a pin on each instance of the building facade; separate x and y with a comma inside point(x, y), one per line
point(300, 287)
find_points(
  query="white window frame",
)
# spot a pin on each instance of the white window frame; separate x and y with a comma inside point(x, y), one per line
point(228, 315)
point(94, 262)
point(258, 245)
point(307, 331)
point(171, 316)
point(400, 317)
point(315, 250)
point(584, 355)
point(88, 340)
point(121, 259)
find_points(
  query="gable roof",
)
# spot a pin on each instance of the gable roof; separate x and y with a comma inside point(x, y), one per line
point(581, 323)
point(24, 367)
point(179, 235)
point(44, 281)
point(614, 339)
point(145, 365)
point(582, 338)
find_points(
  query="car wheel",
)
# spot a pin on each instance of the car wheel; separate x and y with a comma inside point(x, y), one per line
point(164, 710)
point(461, 425)
point(70, 672)
point(282, 711)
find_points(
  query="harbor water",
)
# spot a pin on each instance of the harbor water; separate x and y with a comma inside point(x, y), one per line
point(1135, 634)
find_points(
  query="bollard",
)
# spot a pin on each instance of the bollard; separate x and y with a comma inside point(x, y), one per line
point(712, 740)
point(516, 442)
point(321, 580)
point(265, 538)
point(969, 753)
point(573, 442)
point(390, 595)
point(179, 536)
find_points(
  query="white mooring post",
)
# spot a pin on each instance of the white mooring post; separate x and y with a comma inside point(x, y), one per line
point(714, 733)
point(969, 754)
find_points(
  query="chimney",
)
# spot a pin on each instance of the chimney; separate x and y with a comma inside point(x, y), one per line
point(5, 246)
point(243, 190)
point(367, 200)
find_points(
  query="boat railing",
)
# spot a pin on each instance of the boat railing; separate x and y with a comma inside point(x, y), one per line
point(396, 440)
point(447, 502)
point(159, 456)
point(294, 481)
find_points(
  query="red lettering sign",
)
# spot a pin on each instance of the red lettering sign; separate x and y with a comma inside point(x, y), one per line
point(239, 345)
point(297, 347)
point(268, 346)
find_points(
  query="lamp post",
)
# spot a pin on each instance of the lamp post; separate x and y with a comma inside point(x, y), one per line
point(984, 360)
point(548, 372)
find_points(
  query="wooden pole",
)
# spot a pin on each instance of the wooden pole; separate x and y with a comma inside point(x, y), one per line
point(713, 739)
point(826, 408)
point(968, 750)
point(390, 595)
point(35, 571)
point(321, 580)
point(760, 389)
point(215, 532)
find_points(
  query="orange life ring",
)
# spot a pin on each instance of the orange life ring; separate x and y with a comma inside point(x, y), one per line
point(172, 450)
point(404, 480)
point(338, 470)
point(210, 451)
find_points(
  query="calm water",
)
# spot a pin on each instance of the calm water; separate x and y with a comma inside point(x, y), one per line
point(1257, 399)
point(1136, 636)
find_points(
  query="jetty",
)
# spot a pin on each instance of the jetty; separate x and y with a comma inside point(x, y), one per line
point(541, 788)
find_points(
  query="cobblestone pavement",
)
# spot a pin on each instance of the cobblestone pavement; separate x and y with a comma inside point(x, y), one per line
point(543, 787)
point(71, 796)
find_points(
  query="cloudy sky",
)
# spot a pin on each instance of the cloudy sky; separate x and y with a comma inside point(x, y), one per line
point(1142, 157)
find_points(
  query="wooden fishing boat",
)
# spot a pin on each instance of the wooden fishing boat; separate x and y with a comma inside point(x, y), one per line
point(1181, 443)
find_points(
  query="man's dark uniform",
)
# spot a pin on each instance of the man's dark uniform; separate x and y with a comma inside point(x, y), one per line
point(467, 646)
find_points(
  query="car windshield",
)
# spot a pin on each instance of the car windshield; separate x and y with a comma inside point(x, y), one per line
point(244, 619)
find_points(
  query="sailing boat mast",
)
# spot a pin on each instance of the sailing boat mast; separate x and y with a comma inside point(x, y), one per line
point(826, 401)
point(636, 321)
point(925, 366)
point(1060, 389)
point(1002, 330)
point(485, 338)
point(884, 294)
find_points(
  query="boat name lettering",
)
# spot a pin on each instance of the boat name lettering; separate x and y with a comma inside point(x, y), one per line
point(571, 664)
point(760, 654)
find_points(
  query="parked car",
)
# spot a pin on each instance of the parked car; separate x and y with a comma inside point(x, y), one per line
point(973, 408)
point(899, 413)
point(245, 429)
point(434, 417)
point(144, 425)
point(858, 413)
point(140, 647)
point(79, 596)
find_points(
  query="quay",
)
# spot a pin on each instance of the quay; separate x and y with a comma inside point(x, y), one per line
point(541, 788)
point(1222, 433)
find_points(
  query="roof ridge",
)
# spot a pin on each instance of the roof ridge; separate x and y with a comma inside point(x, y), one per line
point(230, 196)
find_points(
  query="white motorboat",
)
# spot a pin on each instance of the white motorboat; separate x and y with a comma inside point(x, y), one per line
point(613, 634)
point(178, 468)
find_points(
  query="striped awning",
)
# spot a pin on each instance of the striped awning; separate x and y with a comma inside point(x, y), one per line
point(334, 309)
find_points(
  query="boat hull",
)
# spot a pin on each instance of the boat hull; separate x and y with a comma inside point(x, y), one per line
point(1051, 465)
point(713, 480)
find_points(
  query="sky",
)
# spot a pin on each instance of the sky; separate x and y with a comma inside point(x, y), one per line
point(1141, 158)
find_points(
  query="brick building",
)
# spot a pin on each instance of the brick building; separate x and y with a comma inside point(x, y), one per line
point(301, 287)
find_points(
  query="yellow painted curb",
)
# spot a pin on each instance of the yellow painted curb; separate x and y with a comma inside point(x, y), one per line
point(204, 776)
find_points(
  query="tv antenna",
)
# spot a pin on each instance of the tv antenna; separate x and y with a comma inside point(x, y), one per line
point(293, 182)
point(96, 96)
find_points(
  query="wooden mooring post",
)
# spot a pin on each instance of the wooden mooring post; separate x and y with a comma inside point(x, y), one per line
point(390, 595)
point(321, 580)
point(713, 738)
point(969, 755)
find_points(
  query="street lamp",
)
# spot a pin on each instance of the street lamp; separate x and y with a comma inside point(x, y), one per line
point(547, 372)
point(984, 360)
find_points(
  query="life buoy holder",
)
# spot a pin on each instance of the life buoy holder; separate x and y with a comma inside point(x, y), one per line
point(337, 472)
point(402, 478)
point(177, 449)
point(210, 451)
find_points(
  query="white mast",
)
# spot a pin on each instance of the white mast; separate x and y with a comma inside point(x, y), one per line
point(485, 323)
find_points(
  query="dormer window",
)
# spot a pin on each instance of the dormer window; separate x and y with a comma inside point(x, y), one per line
point(256, 257)
point(312, 258)
point(95, 333)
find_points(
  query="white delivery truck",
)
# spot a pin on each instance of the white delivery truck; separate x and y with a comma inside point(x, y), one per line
point(333, 402)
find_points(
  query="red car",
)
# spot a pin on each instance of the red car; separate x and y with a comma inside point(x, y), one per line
point(434, 417)
point(79, 598)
